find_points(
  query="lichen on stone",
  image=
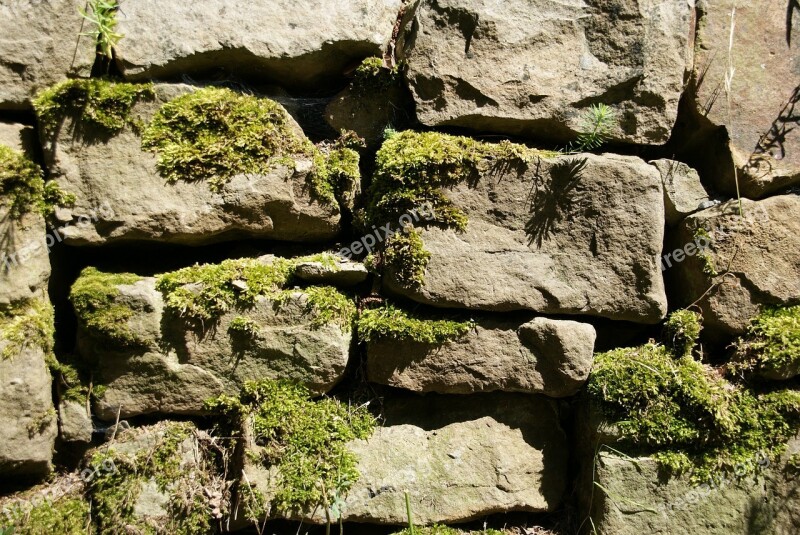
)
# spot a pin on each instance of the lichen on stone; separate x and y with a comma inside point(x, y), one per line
point(101, 103)
point(214, 134)
point(304, 439)
point(93, 298)
point(27, 324)
point(395, 323)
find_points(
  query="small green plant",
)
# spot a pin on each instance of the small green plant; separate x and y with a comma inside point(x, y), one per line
point(394, 323)
point(597, 125)
point(772, 342)
point(68, 515)
point(327, 304)
point(93, 297)
point(244, 326)
point(103, 104)
point(682, 331)
point(701, 234)
point(102, 15)
point(405, 255)
point(304, 438)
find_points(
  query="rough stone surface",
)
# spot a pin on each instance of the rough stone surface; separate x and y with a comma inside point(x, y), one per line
point(177, 368)
point(555, 242)
point(684, 194)
point(294, 43)
point(460, 458)
point(551, 357)
point(762, 123)
point(639, 501)
point(27, 419)
point(532, 68)
point(121, 196)
point(74, 423)
point(761, 253)
point(40, 46)
point(344, 273)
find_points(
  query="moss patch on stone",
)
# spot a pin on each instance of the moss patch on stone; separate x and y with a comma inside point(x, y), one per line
point(772, 342)
point(93, 297)
point(213, 134)
point(373, 76)
point(687, 415)
point(395, 323)
point(445, 530)
point(405, 255)
point(304, 439)
point(64, 516)
point(21, 183)
point(27, 324)
point(205, 292)
point(102, 104)
point(682, 332)
point(118, 482)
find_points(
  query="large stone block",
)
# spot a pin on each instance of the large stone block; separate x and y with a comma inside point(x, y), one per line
point(292, 43)
point(551, 357)
point(571, 235)
point(533, 68)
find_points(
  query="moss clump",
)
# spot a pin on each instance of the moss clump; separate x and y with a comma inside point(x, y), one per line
point(392, 322)
point(405, 255)
point(687, 414)
point(682, 332)
point(772, 343)
point(205, 292)
point(21, 183)
point(305, 439)
point(412, 168)
point(27, 324)
point(373, 76)
point(444, 530)
point(114, 489)
point(93, 297)
point(64, 516)
point(337, 174)
point(102, 104)
point(327, 304)
point(214, 134)
point(243, 326)
point(701, 234)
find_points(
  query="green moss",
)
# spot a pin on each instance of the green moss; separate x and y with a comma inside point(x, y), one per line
point(305, 439)
point(412, 168)
point(392, 322)
point(772, 342)
point(64, 516)
point(243, 326)
point(701, 234)
point(114, 493)
point(102, 104)
point(336, 170)
point(27, 324)
point(444, 530)
point(93, 297)
point(53, 196)
point(373, 77)
point(682, 332)
point(327, 304)
point(405, 255)
point(686, 414)
point(204, 292)
point(214, 134)
point(21, 184)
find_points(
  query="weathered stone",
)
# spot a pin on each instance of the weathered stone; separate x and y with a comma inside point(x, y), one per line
point(343, 273)
point(551, 357)
point(635, 499)
point(460, 458)
point(41, 45)
point(74, 421)
point(684, 194)
point(757, 258)
point(174, 368)
point(122, 197)
point(758, 135)
point(367, 111)
point(533, 68)
point(27, 419)
point(294, 43)
point(555, 239)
